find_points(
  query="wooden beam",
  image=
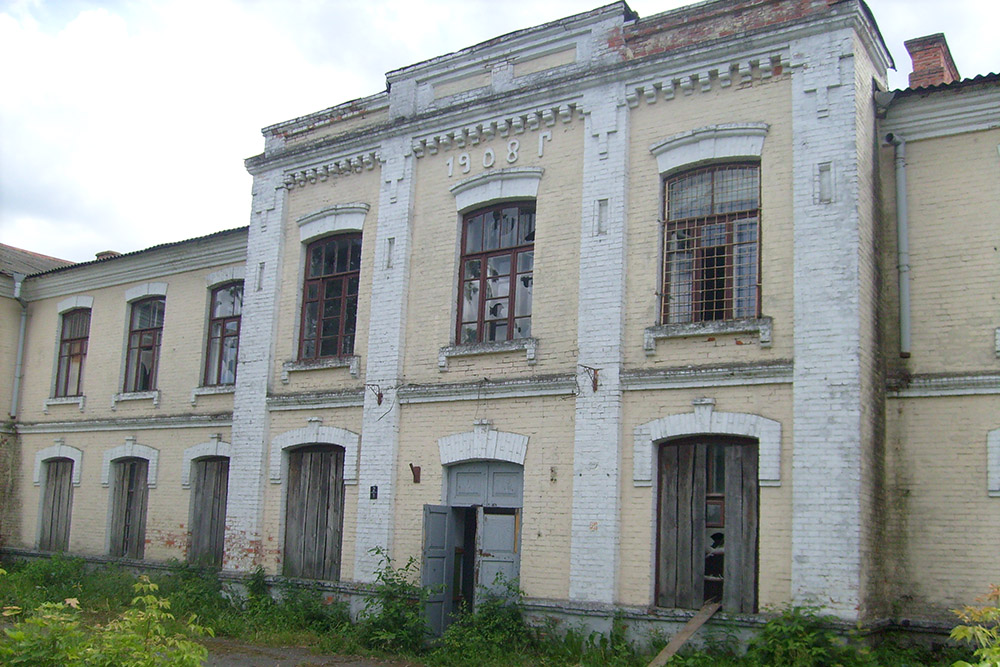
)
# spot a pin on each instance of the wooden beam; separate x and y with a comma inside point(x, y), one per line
point(685, 634)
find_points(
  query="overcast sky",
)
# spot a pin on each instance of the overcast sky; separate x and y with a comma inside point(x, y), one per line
point(124, 124)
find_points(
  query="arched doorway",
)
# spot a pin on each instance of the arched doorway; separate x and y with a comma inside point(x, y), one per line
point(472, 544)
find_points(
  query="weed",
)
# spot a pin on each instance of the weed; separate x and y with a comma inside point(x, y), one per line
point(393, 616)
point(981, 628)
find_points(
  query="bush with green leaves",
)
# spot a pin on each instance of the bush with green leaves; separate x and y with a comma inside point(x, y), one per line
point(800, 637)
point(981, 628)
point(393, 615)
point(53, 634)
point(493, 633)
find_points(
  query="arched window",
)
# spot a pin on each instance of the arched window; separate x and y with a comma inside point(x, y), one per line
point(496, 273)
point(330, 297)
point(73, 339)
point(711, 237)
point(224, 334)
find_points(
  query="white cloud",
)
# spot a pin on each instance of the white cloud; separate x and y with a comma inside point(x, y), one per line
point(124, 124)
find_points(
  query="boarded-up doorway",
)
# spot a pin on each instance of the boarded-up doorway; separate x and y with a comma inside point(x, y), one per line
point(707, 524)
point(57, 505)
point(472, 544)
point(128, 508)
point(209, 492)
point(314, 509)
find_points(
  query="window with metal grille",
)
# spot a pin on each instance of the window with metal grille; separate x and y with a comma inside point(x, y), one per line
point(224, 334)
point(72, 352)
point(145, 331)
point(330, 297)
point(495, 281)
point(711, 238)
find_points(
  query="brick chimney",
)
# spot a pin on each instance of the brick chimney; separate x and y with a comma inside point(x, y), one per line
point(107, 254)
point(932, 63)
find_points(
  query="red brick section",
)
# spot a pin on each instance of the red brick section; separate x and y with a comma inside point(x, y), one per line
point(932, 62)
point(708, 22)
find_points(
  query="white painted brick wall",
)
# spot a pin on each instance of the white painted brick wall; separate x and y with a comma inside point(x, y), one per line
point(826, 477)
point(247, 470)
point(380, 429)
point(600, 324)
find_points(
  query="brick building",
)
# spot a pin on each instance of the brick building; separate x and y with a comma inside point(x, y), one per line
point(748, 371)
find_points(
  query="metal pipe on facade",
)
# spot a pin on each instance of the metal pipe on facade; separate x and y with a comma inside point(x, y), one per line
point(902, 243)
point(19, 365)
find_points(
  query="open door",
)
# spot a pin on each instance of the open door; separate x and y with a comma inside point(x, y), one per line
point(497, 535)
point(441, 531)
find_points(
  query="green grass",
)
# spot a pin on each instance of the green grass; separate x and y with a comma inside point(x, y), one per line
point(495, 635)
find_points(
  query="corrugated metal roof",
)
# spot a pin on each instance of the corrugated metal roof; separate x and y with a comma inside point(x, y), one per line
point(144, 250)
point(980, 79)
point(14, 260)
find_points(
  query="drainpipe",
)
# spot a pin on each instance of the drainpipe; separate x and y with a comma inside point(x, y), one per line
point(18, 281)
point(902, 243)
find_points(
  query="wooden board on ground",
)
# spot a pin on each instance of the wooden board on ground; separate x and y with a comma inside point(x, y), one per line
point(685, 634)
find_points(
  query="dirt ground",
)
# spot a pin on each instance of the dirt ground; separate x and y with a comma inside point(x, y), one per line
point(228, 653)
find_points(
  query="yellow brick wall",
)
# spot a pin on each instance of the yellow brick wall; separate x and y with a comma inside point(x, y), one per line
point(953, 255)
point(181, 361)
point(947, 525)
point(431, 305)
point(302, 201)
point(545, 529)
point(768, 102)
point(168, 504)
point(10, 323)
point(272, 521)
point(638, 516)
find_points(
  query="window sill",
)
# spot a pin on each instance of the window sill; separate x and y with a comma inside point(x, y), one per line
point(756, 325)
point(136, 396)
point(529, 345)
point(79, 401)
point(352, 363)
point(211, 390)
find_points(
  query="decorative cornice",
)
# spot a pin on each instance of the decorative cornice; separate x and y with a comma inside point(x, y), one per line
point(505, 126)
point(943, 385)
point(686, 377)
point(154, 263)
point(332, 168)
point(127, 424)
point(348, 398)
point(551, 385)
point(944, 112)
point(724, 75)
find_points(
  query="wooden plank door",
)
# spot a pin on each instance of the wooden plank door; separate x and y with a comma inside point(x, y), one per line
point(314, 507)
point(57, 505)
point(707, 524)
point(128, 508)
point(208, 510)
point(437, 568)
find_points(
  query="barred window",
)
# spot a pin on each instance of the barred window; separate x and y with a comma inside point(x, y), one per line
point(711, 239)
point(145, 331)
point(496, 274)
point(73, 341)
point(224, 334)
point(330, 297)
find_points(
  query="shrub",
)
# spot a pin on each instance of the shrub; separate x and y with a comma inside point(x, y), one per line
point(800, 637)
point(53, 635)
point(495, 633)
point(981, 628)
point(393, 615)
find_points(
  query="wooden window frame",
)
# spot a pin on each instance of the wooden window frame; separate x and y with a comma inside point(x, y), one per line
point(217, 343)
point(702, 309)
point(72, 354)
point(153, 336)
point(522, 247)
point(314, 292)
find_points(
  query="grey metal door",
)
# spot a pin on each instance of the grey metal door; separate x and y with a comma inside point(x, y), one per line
point(441, 530)
point(497, 559)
